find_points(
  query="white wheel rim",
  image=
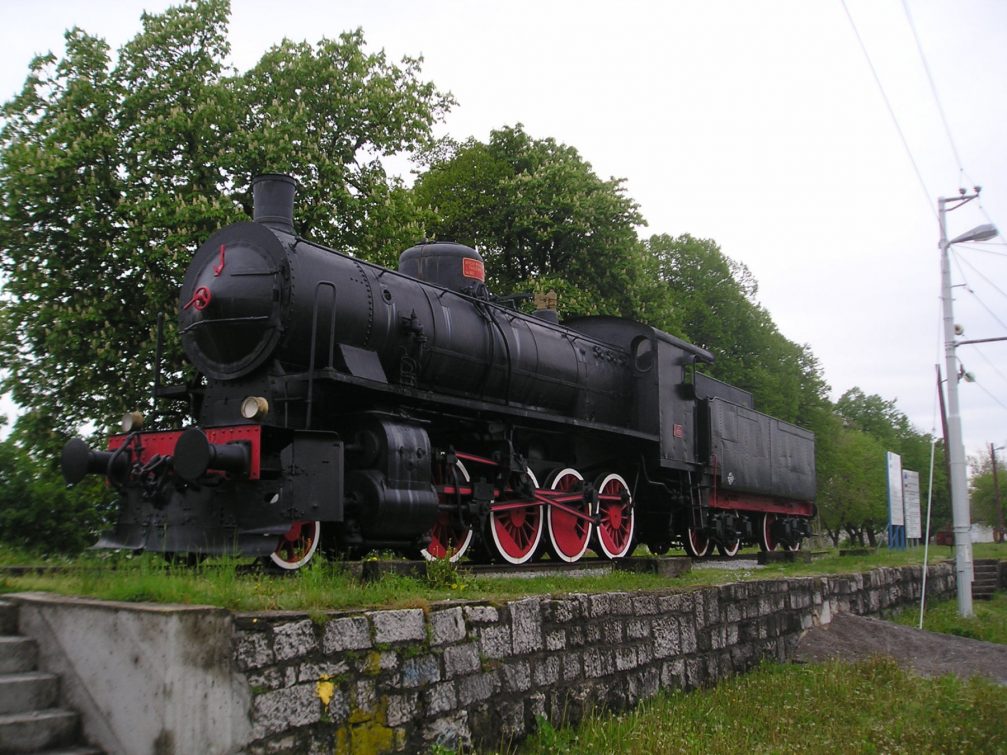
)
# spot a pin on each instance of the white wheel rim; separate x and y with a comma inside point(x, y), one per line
point(632, 518)
point(468, 535)
point(728, 551)
point(291, 565)
point(693, 550)
point(569, 471)
point(538, 534)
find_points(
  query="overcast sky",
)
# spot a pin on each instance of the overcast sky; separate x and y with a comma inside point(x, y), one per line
point(756, 124)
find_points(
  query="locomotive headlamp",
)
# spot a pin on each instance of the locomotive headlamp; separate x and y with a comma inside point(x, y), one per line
point(131, 421)
point(254, 407)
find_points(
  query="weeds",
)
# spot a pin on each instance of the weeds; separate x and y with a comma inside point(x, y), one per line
point(861, 708)
point(988, 624)
point(324, 585)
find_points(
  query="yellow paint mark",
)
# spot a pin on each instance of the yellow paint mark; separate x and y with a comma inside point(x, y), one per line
point(325, 689)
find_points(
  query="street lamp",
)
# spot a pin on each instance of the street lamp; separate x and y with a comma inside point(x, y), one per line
point(956, 447)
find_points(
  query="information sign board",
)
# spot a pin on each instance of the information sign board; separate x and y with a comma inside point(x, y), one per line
point(911, 502)
point(896, 514)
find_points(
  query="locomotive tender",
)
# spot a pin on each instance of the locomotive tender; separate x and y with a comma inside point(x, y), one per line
point(343, 403)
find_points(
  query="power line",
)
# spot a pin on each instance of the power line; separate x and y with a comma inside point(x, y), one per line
point(984, 251)
point(933, 89)
point(891, 111)
point(968, 288)
point(979, 273)
point(940, 109)
point(990, 363)
point(984, 389)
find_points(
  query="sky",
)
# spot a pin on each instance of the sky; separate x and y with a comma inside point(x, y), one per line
point(760, 125)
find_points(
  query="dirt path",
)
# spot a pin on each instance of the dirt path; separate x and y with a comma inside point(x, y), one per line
point(854, 638)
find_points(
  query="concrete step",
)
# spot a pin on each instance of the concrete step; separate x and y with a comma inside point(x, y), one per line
point(8, 618)
point(38, 730)
point(29, 690)
point(17, 654)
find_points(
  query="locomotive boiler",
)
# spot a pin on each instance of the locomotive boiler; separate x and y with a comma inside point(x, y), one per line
point(349, 405)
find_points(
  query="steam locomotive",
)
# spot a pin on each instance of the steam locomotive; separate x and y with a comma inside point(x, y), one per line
point(344, 405)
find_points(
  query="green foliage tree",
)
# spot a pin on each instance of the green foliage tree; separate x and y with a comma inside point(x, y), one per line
point(984, 490)
point(713, 299)
point(111, 173)
point(38, 512)
point(852, 484)
point(882, 420)
point(541, 218)
point(113, 170)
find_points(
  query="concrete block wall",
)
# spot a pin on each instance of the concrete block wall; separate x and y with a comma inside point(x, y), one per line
point(476, 673)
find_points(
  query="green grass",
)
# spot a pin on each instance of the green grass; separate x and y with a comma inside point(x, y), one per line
point(867, 707)
point(147, 577)
point(988, 624)
point(321, 586)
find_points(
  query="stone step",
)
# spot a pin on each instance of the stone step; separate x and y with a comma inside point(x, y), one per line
point(17, 654)
point(37, 730)
point(29, 690)
point(8, 618)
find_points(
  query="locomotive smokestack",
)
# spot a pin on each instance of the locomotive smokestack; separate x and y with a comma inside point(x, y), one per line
point(273, 201)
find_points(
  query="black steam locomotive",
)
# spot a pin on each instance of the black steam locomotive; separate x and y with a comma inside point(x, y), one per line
point(344, 404)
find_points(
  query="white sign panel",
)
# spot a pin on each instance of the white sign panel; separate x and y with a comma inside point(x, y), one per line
point(896, 515)
point(911, 502)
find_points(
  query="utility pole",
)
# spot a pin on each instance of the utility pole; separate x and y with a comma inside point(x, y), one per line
point(999, 534)
point(956, 448)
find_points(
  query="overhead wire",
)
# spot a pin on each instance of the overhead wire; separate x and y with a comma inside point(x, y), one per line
point(933, 90)
point(978, 298)
point(940, 109)
point(988, 393)
point(989, 362)
point(978, 272)
point(891, 110)
point(983, 251)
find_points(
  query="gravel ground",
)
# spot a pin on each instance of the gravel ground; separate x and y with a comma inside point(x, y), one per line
point(854, 638)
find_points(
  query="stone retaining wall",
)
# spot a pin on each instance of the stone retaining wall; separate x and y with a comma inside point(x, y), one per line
point(474, 673)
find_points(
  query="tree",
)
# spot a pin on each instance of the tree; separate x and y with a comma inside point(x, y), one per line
point(882, 420)
point(111, 175)
point(38, 512)
point(983, 493)
point(541, 218)
point(713, 299)
point(852, 484)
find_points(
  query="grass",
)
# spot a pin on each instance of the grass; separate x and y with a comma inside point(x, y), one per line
point(324, 586)
point(988, 624)
point(867, 707)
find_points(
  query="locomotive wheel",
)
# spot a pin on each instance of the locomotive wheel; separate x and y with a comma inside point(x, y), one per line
point(795, 547)
point(448, 535)
point(517, 532)
point(569, 535)
point(767, 542)
point(297, 546)
point(696, 543)
point(616, 518)
point(730, 548)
